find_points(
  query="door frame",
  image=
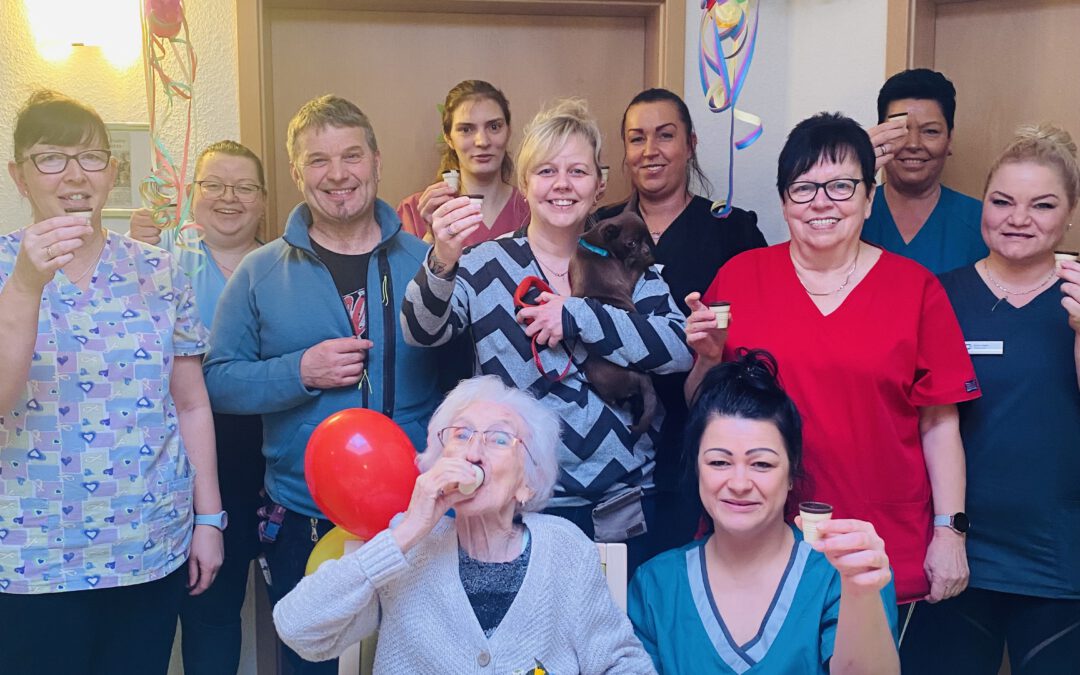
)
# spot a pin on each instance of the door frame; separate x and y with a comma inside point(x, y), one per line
point(665, 38)
point(909, 33)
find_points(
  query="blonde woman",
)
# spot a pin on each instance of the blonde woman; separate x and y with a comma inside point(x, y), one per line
point(599, 459)
point(1022, 317)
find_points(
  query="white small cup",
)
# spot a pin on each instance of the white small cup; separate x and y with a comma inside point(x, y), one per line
point(478, 200)
point(453, 179)
point(722, 310)
point(813, 513)
point(1062, 256)
point(604, 172)
point(469, 488)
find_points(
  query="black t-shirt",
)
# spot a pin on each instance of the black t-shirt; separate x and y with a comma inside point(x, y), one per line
point(350, 276)
point(691, 251)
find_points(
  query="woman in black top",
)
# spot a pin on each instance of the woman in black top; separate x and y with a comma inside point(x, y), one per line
point(690, 244)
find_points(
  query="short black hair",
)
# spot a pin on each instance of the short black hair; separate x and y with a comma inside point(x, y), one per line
point(748, 388)
point(919, 83)
point(825, 136)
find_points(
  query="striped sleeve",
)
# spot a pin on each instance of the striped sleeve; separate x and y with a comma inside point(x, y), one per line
point(651, 339)
point(435, 310)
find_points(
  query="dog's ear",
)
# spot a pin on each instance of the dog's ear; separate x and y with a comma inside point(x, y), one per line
point(611, 232)
point(631, 206)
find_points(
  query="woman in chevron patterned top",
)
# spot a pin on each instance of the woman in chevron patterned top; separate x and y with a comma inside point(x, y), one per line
point(537, 341)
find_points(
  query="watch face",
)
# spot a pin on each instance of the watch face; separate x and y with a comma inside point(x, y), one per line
point(960, 522)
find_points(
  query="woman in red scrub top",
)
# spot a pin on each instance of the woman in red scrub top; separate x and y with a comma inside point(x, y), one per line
point(870, 350)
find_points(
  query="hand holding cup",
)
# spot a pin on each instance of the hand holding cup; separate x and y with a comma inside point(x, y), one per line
point(47, 246)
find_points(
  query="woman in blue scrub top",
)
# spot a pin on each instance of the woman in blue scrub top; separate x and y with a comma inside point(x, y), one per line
point(754, 596)
point(228, 203)
point(1020, 315)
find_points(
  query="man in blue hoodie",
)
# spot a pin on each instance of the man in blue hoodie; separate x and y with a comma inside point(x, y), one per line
point(308, 325)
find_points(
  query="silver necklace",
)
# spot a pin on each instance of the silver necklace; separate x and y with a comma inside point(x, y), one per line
point(557, 274)
point(847, 279)
point(92, 265)
point(986, 267)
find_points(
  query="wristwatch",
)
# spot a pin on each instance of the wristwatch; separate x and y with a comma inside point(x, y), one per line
point(218, 520)
point(957, 521)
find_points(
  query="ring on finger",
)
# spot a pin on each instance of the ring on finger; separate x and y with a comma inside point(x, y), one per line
point(48, 251)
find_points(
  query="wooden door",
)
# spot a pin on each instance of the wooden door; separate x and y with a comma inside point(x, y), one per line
point(397, 62)
point(1012, 63)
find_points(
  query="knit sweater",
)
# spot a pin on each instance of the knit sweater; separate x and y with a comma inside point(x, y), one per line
point(598, 455)
point(563, 614)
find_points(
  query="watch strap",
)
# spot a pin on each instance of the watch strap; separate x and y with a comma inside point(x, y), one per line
point(943, 521)
point(218, 520)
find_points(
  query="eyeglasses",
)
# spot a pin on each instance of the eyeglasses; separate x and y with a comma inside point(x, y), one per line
point(56, 162)
point(493, 439)
point(837, 189)
point(244, 192)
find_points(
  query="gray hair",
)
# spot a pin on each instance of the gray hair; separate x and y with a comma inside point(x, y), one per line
point(540, 432)
point(327, 111)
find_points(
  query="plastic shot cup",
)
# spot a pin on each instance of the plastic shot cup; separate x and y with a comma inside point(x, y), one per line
point(477, 200)
point(813, 513)
point(453, 179)
point(722, 310)
point(605, 171)
point(898, 116)
point(1062, 256)
point(469, 488)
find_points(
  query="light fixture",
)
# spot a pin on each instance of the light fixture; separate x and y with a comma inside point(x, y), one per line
point(111, 25)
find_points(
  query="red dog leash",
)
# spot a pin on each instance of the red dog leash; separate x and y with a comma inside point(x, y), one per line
point(527, 285)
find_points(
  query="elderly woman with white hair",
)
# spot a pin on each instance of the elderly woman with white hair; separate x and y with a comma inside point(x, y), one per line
point(496, 584)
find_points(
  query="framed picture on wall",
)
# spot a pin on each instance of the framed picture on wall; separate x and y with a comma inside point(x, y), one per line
point(130, 145)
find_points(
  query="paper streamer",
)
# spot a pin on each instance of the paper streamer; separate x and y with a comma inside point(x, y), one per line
point(166, 43)
point(728, 39)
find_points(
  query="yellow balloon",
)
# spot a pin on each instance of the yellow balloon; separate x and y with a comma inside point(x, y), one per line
point(330, 546)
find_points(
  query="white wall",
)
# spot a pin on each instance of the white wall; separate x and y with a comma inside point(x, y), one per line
point(812, 55)
point(119, 95)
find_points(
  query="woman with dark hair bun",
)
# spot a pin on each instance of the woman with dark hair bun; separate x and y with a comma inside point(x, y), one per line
point(755, 596)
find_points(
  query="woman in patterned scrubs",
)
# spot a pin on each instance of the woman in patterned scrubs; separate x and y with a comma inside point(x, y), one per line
point(106, 436)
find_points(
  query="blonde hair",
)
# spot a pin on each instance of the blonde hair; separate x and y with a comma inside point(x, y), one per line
point(549, 131)
point(1046, 145)
point(327, 111)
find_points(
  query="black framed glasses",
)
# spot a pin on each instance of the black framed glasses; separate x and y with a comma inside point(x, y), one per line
point(55, 162)
point(244, 192)
point(837, 189)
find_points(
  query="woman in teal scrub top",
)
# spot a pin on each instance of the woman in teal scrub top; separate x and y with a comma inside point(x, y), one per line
point(754, 596)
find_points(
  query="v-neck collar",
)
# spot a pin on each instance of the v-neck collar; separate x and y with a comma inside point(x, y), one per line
point(741, 658)
point(510, 618)
point(796, 282)
point(998, 304)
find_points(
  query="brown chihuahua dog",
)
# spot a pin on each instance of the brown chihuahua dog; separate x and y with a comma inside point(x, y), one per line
point(611, 257)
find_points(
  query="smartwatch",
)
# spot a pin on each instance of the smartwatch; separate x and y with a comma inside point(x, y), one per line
point(957, 521)
point(218, 520)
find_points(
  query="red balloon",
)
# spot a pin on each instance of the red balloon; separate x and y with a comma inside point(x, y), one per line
point(360, 467)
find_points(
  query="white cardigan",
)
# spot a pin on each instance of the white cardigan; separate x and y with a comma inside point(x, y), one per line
point(563, 615)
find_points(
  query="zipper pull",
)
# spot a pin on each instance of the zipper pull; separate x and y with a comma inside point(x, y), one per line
point(314, 530)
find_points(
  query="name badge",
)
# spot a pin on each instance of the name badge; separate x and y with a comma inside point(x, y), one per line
point(987, 347)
